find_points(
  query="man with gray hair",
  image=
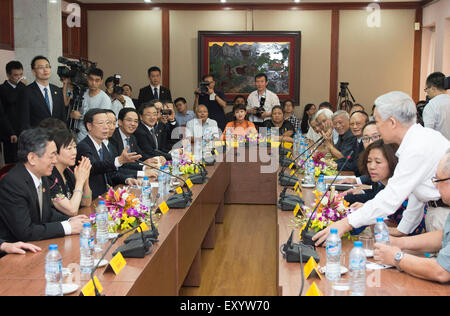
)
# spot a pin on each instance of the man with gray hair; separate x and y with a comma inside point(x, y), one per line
point(432, 242)
point(346, 140)
point(324, 120)
point(420, 150)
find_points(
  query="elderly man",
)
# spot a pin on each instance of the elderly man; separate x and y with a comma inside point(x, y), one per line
point(418, 156)
point(200, 130)
point(357, 122)
point(437, 241)
point(346, 140)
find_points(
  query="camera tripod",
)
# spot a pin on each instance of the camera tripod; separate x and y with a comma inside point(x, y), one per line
point(344, 96)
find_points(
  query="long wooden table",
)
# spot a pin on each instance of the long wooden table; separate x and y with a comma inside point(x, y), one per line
point(176, 259)
point(388, 282)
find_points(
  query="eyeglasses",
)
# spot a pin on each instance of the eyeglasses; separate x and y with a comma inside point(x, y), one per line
point(436, 180)
point(131, 121)
point(367, 139)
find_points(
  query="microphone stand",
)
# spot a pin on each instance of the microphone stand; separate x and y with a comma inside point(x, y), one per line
point(177, 201)
point(308, 234)
point(287, 180)
point(112, 242)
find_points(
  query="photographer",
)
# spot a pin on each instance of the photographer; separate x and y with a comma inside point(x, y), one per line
point(213, 100)
point(261, 101)
point(119, 100)
point(436, 114)
point(94, 98)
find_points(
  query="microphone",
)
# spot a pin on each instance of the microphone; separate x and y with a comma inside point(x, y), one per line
point(112, 242)
point(199, 178)
point(308, 234)
point(177, 201)
point(288, 180)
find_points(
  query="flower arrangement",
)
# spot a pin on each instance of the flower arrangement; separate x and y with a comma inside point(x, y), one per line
point(332, 208)
point(125, 210)
point(186, 164)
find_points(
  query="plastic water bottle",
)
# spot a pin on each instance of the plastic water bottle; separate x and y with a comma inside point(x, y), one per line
point(321, 187)
point(53, 272)
point(161, 187)
point(334, 250)
point(166, 181)
point(86, 249)
point(357, 267)
point(381, 232)
point(101, 220)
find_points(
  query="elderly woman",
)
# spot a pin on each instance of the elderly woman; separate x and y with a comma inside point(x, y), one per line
point(285, 128)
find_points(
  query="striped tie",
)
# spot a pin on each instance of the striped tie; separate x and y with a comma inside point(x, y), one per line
point(47, 100)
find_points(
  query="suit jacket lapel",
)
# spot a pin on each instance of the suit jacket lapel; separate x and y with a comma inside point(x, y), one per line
point(36, 214)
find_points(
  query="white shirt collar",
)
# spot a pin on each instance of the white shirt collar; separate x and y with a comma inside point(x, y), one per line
point(11, 84)
point(149, 127)
point(36, 180)
point(124, 137)
point(42, 87)
point(408, 136)
point(97, 146)
point(157, 87)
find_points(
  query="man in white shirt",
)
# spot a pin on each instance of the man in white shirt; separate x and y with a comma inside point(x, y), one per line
point(261, 97)
point(419, 154)
point(436, 114)
point(94, 98)
point(200, 130)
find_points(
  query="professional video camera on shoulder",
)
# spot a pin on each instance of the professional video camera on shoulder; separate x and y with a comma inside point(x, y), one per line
point(76, 72)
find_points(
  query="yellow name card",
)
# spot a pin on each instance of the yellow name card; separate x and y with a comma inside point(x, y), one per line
point(275, 144)
point(297, 208)
point(288, 145)
point(310, 267)
point(189, 183)
point(164, 208)
point(289, 155)
point(314, 290)
point(117, 263)
point(144, 227)
point(89, 290)
point(179, 190)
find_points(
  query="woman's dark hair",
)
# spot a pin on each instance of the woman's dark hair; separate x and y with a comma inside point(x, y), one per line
point(32, 141)
point(305, 120)
point(237, 107)
point(51, 122)
point(62, 137)
point(388, 151)
point(278, 107)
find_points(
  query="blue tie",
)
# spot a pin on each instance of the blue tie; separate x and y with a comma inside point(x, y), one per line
point(128, 144)
point(100, 153)
point(47, 100)
point(155, 95)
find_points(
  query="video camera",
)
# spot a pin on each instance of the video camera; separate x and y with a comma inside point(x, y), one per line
point(344, 87)
point(260, 110)
point(117, 89)
point(77, 72)
point(447, 83)
point(204, 87)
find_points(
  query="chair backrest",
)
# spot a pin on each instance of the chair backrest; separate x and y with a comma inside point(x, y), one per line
point(5, 169)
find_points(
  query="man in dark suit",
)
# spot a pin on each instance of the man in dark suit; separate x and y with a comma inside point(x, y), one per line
point(123, 138)
point(9, 92)
point(154, 91)
point(26, 210)
point(41, 99)
point(152, 136)
point(104, 171)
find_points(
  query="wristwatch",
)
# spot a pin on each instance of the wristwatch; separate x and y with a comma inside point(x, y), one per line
point(398, 258)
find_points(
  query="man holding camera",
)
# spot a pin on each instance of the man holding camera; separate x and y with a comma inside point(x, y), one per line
point(261, 101)
point(213, 100)
point(94, 98)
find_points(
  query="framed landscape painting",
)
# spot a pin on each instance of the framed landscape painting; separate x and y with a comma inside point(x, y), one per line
point(234, 58)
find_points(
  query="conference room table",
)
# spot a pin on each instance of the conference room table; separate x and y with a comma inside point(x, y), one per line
point(175, 260)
